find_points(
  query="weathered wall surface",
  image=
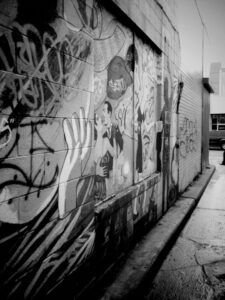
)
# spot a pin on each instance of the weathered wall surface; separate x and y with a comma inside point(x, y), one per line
point(88, 138)
point(190, 130)
point(147, 15)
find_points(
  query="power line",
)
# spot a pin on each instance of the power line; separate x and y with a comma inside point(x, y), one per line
point(196, 4)
point(203, 23)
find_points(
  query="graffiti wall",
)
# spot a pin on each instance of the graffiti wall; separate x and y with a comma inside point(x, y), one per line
point(85, 144)
point(145, 109)
point(190, 135)
point(46, 142)
point(167, 150)
point(113, 109)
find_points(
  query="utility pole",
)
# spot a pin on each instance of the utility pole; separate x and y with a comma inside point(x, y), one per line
point(203, 45)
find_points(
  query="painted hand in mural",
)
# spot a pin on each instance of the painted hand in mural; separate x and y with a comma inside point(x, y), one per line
point(5, 132)
point(77, 133)
point(73, 143)
point(99, 126)
point(101, 169)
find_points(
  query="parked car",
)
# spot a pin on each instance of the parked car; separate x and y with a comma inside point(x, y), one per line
point(217, 130)
point(217, 138)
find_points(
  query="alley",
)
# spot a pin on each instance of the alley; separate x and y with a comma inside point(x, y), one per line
point(195, 266)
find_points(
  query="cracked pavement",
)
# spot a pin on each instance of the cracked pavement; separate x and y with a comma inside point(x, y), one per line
point(195, 266)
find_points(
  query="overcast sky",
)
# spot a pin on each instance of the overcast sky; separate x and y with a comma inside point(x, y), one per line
point(213, 15)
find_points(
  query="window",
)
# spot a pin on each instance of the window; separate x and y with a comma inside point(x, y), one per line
point(221, 119)
point(218, 121)
point(214, 119)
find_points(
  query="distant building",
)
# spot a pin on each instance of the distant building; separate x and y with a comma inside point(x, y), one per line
point(217, 106)
point(222, 86)
point(217, 78)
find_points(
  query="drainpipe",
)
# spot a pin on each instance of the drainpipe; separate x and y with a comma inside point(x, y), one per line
point(180, 89)
point(203, 32)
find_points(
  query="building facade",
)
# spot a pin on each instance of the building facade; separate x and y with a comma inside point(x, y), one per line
point(217, 106)
point(217, 79)
point(100, 130)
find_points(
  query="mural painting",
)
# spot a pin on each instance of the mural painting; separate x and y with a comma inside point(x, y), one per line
point(78, 125)
point(163, 138)
point(113, 122)
point(174, 151)
point(46, 132)
point(167, 150)
point(144, 110)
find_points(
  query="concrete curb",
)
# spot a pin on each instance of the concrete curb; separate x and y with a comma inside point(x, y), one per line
point(142, 260)
point(197, 188)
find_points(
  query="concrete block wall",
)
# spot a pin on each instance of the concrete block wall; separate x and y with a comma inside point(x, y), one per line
point(88, 136)
point(146, 14)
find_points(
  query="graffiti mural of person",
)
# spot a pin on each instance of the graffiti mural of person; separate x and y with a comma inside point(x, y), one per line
point(119, 78)
point(109, 144)
point(140, 119)
point(149, 161)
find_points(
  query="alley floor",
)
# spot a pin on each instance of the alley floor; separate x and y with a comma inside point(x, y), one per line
point(195, 266)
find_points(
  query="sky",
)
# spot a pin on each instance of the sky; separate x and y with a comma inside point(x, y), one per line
point(191, 34)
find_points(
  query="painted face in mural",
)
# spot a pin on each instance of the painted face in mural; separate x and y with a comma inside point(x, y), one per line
point(107, 114)
point(119, 78)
